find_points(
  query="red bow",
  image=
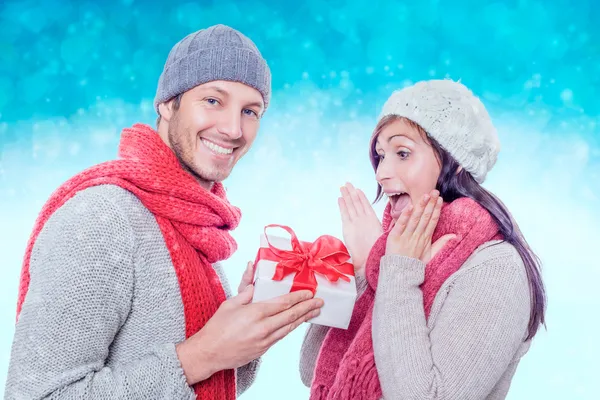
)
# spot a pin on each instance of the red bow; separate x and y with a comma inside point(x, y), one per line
point(326, 256)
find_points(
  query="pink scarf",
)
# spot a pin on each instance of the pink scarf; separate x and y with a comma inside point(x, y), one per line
point(346, 365)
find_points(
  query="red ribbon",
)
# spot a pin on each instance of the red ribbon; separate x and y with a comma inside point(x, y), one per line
point(326, 256)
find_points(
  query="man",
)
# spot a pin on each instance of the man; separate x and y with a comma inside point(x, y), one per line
point(122, 295)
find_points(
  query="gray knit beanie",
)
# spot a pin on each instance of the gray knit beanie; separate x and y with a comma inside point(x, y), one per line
point(215, 53)
point(450, 113)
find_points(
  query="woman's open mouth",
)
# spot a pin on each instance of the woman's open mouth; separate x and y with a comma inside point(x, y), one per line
point(398, 202)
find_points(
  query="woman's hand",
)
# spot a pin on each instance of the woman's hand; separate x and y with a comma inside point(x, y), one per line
point(360, 226)
point(412, 232)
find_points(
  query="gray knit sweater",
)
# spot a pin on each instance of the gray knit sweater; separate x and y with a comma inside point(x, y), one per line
point(470, 346)
point(103, 310)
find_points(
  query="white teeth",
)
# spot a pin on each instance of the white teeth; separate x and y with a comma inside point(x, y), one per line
point(217, 149)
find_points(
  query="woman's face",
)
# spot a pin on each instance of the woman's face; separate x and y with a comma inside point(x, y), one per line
point(408, 166)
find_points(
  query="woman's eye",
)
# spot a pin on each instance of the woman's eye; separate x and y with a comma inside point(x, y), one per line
point(403, 154)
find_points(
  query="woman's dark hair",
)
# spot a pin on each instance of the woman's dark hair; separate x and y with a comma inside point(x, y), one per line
point(453, 185)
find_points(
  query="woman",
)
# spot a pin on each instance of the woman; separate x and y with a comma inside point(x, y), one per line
point(450, 292)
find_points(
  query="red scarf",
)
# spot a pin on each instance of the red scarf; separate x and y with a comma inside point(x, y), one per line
point(346, 365)
point(195, 224)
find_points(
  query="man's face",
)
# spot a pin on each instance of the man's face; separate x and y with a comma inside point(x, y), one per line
point(215, 125)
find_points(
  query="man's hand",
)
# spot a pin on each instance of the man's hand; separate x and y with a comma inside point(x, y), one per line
point(247, 278)
point(240, 332)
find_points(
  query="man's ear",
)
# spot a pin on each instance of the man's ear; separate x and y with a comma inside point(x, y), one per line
point(166, 110)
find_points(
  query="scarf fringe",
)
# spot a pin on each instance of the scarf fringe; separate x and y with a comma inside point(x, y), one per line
point(361, 382)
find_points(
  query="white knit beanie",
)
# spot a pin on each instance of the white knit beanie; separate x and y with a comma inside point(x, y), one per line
point(450, 113)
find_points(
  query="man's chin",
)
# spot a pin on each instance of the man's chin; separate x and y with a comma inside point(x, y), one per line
point(210, 176)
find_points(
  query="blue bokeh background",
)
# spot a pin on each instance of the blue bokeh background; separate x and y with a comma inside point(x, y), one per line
point(73, 73)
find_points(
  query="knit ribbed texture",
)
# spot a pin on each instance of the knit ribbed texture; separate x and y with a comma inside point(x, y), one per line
point(216, 53)
point(470, 345)
point(194, 225)
point(346, 364)
point(123, 281)
point(454, 117)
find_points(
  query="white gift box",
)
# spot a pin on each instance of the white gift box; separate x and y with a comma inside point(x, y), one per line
point(338, 297)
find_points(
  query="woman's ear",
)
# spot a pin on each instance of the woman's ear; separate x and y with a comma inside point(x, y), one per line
point(460, 168)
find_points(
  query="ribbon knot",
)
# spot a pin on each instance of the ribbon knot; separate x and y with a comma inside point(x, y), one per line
point(326, 256)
